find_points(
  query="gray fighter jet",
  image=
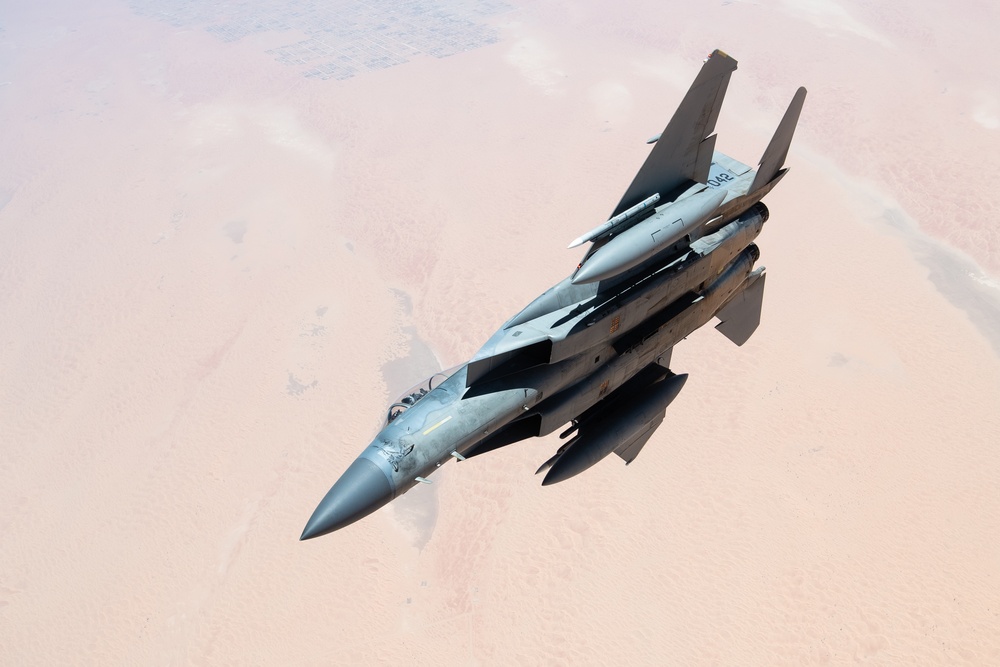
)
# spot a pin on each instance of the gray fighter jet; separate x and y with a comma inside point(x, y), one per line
point(594, 350)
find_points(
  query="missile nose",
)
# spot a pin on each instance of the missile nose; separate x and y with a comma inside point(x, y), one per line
point(593, 270)
point(362, 489)
point(566, 467)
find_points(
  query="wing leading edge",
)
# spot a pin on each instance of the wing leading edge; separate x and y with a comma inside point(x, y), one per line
point(684, 150)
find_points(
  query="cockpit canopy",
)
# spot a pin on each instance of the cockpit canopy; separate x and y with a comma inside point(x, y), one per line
point(415, 393)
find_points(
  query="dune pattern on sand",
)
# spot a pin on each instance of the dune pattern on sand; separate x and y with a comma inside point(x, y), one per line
point(216, 270)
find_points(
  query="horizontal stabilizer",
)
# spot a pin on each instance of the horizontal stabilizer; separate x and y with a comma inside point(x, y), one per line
point(683, 152)
point(774, 155)
point(741, 315)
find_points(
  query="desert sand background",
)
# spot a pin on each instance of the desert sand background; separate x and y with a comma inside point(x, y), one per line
point(214, 271)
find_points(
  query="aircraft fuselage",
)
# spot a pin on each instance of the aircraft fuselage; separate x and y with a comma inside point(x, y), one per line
point(594, 350)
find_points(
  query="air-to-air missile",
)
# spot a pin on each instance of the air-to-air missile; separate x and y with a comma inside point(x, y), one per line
point(594, 351)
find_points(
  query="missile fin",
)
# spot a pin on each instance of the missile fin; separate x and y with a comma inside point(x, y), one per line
point(629, 450)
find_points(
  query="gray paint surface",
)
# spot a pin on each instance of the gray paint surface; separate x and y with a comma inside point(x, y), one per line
point(596, 354)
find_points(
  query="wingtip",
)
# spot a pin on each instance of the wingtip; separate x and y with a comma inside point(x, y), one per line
point(721, 55)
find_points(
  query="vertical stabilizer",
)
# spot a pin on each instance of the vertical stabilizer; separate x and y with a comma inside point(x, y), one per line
point(774, 156)
point(684, 150)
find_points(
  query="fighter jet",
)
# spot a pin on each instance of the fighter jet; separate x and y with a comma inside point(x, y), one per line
point(594, 351)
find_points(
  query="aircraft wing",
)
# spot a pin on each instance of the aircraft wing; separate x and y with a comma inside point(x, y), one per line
point(684, 150)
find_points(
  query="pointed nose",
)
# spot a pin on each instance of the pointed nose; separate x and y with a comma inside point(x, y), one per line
point(361, 490)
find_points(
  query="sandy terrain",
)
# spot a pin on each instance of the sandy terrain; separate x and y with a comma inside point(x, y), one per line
point(215, 270)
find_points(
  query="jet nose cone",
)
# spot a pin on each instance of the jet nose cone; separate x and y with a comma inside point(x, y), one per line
point(361, 490)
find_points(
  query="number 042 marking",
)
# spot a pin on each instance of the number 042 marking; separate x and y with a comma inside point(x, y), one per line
point(719, 180)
